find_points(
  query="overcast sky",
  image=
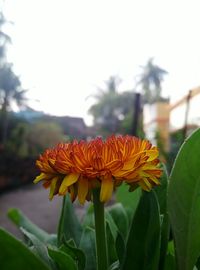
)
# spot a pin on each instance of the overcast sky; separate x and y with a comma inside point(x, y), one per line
point(63, 49)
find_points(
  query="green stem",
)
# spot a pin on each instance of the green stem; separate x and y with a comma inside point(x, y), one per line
point(101, 244)
point(60, 225)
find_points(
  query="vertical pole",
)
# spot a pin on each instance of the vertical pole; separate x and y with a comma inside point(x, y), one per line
point(186, 114)
point(136, 114)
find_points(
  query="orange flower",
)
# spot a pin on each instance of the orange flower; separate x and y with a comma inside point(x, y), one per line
point(79, 167)
point(48, 173)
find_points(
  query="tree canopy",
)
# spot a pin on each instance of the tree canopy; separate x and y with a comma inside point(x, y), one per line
point(111, 107)
point(150, 81)
point(10, 84)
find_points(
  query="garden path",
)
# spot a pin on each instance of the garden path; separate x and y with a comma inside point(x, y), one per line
point(33, 201)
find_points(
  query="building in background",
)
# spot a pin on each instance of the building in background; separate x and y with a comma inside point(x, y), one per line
point(164, 119)
point(156, 122)
point(185, 113)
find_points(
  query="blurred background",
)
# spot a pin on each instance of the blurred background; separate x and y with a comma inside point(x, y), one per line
point(81, 69)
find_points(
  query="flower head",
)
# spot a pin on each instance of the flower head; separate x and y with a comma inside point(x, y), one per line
point(79, 167)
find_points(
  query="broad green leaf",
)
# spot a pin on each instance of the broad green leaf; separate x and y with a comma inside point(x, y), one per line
point(76, 253)
point(198, 264)
point(88, 219)
point(115, 241)
point(170, 248)
point(128, 199)
point(161, 192)
point(112, 233)
point(184, 202)
point(170, 260)
point(69, 225)
point(87, 244)
point(120, 218)
point(112, 254)
point(120, 247)
point(70, 242)
point(40, 248)
point(143, 245)
point(170, 263)
point(63, 260)
point(113, 227)
point(115, 266)
point(165, 229)
point(15, 255)
point(20, 220)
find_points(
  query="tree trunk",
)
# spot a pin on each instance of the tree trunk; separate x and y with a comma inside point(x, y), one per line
point(4, 122)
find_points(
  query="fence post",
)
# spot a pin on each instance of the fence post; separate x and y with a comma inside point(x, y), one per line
point(136, 114)
point(185, 128)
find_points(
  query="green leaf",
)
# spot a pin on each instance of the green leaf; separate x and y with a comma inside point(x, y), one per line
point(120, 247)
point(89, 217)
point(170, 248)
point(128, 199)
point(40, 249)
point(87, 244)
point(170, 260)
point(113, 227)
point(161, 192)
point(165, 229)
point(170, 263)
point(63, 260)
point(198, 264)
point(76, 253)
point(112, 254)
point(15, 255)
point(69, 225)
point(20, 220)
point(115, 266)
point(184, 202)
point(115, 241)
point(120, 218)
point(143, 245)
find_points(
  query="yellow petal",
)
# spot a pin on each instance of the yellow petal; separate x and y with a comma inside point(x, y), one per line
point(154, 179)
point(69, 180)
point(82, 190)
point(106, 189)
point(145, 185)
point(52, 187)
point(72, 193)
point(153, 154)
point(130, 164)
point(39, 178)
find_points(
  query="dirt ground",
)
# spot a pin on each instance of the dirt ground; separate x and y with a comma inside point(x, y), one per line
point(33, 201)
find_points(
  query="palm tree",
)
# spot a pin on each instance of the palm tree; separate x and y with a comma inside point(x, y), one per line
point(111, 107)
point(104, 110)
point(4, 39)
point(150, 81)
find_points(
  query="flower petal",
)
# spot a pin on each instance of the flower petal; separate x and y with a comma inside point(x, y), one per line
point(46, 184)
point(52, 187)
point(73, 193)
point(106, 189)
point(82, 190)
point(69, 180)
point(145, 185)
point(39, 178)
point(153, 154)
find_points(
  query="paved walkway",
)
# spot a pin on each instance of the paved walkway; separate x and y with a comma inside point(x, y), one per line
point(33, 201)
